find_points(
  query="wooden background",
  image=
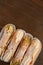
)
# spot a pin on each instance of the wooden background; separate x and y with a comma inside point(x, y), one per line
point(25, 14)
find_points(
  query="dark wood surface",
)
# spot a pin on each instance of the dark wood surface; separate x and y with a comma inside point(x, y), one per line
point(25, 14)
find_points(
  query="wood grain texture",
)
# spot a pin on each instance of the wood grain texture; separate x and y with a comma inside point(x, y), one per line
point(25, 14)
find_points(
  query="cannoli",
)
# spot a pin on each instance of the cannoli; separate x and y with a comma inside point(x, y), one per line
point(32, 52)
point(5, 35)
